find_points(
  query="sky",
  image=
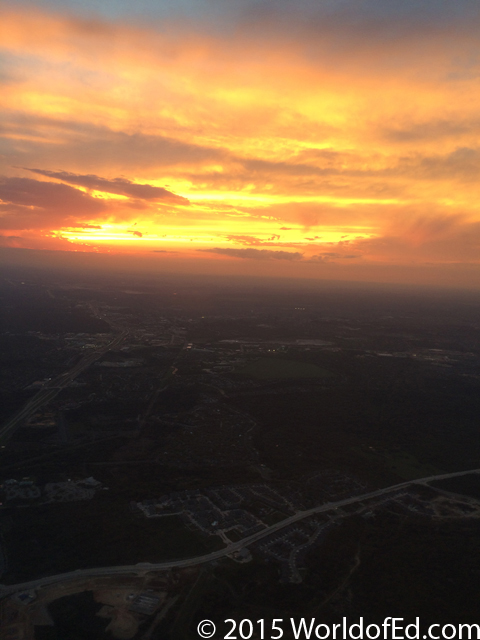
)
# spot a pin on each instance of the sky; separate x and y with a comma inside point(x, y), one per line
point(314, 139)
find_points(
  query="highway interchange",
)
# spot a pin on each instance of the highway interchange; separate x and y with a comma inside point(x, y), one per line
point(53, 388)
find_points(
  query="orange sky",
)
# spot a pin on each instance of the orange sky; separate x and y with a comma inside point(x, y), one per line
point(271, 144)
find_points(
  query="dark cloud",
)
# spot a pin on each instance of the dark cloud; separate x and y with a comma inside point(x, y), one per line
point(255, 254)
point(463, 164)
point(138, 234)
point(43, 243)
point(311, 215)
point(246, 240)
point(432, 130)
point(7, 238)
point(440, 238)
point(289, 168)
point(424, 228)
point(119, 186)
point(231, 13)
point(360, 24)
point(31, 204)
point(328, 256)
point(253, 240)
point(96, 146)
point(357, 10)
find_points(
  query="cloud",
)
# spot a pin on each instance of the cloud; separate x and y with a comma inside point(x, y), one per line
point(462, 163)
point(313, 215)
point(423, 229)
point(10, 241)
point(433, 129)
point(330, 118)
point(32, 204)
point(421, 239)
point(95, 145)
point(253, 240)
point(255, 254)
point(119, 186)
point(288, 168)
point(328, 256)
point(47, 242)
point(246, 240)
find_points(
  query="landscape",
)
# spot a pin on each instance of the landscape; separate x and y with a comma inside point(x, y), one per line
point(178, 449)
point(239, 320)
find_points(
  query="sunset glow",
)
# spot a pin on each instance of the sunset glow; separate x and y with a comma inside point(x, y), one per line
point(256, 133)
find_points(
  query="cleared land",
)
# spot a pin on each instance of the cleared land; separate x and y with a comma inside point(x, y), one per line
point(269, 368)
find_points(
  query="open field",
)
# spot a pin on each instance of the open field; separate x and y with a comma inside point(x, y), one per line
point(269, 368)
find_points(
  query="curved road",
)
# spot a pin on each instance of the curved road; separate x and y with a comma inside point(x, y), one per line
point(146, 567)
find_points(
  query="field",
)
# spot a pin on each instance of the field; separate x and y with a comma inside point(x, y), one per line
point(279, 368)
point(404, 464)
point(56, 538)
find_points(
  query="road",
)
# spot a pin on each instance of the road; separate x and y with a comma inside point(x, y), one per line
point(50, 390)
point(146, 567)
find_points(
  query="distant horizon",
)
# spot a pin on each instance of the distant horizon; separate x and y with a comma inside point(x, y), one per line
point(149, 270)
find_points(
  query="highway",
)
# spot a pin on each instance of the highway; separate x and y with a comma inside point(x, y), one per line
point(50, 390)
point(146, 567)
